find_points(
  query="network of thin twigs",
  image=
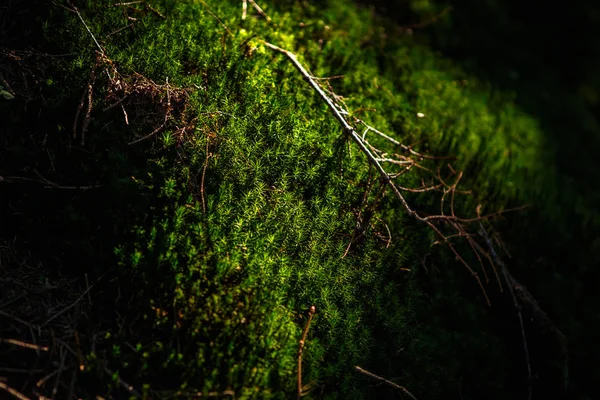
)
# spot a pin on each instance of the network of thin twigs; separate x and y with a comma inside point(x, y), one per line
point(140, 99)
point(397, 159)
point(39, 317)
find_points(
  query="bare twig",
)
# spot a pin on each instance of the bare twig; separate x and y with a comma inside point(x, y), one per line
point(52, 318)
point(61, 368)
point(47, 183)
point(16, 319)
point(129, 3)
point(383, 380)
point(23, 344)
point(155, 11)
point(87, 119)
point(260, 10)
point(204, 175)
point(124, 384)
point(215, 16)
point(244, 9)
point(21, 370)
point(338, 112)
point(159, 128)
point(45, 379)
point(86, 27)
point(430, 21)
point(311, 313)
point(13, 392)
point(119, 30)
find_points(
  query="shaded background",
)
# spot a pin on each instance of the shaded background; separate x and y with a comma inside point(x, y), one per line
point(549, 56)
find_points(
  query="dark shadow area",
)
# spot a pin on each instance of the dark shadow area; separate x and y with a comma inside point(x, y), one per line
point(549, 56)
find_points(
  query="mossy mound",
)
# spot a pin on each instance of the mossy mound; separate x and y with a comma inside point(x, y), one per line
point(194, 198)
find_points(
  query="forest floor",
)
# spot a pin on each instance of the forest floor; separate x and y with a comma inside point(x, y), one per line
point(282, 199)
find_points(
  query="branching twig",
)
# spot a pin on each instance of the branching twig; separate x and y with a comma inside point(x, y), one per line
point(383, 380)
point(311, 313)
point(368, 150)
point(68, 307)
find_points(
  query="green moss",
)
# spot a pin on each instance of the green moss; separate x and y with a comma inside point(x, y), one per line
point(227, 231)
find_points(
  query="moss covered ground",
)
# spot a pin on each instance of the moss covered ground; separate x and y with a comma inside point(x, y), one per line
point(175, 197)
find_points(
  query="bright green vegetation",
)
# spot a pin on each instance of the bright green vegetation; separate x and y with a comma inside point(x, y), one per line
point(208, 241)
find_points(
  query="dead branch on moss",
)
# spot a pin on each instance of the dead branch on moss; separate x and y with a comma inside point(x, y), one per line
point(76, 11)
point(149, 103)
point(383, 380)
point(443, 225)
point(258, 9)
point(133, 90)
point(311, 313)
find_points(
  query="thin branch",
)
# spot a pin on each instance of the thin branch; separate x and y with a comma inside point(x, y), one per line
point(47, 184)
point(159, 128)
point(86, 27)
point(477, 219)
point(42, 381)
point(155, 11)
point(52, 318)
point(402, 146)
point(20, 370)
point(204, 175)
point(118, 30)
point(383, 380)
point(87, 119)
point(17, 319)
point(124, 384)
point(430, 21)
point(129, 3)
point(386, 178)
point(19, 343)
point(215, 16)
point(421, 189)
point(260, 10)
point(311, 313)
point(13, 392)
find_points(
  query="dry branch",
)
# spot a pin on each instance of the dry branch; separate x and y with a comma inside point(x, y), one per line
point(13, 392)
point(376, 157)
point(387, 382)
point(311, 313)
point(20, 343)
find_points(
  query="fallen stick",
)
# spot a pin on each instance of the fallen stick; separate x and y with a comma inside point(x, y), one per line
point(383, 380)
point(311, 313)
point(338, 113)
